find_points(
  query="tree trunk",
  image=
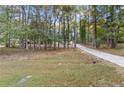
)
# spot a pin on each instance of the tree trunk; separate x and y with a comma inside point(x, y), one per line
point(113, 31)
point(88, 30)
point(64, 33)
point(8, 33)
point(75, 32)
point(54, 35)
point(59, 31)
point(34, 43)
point(95, 29)
point(68, 30)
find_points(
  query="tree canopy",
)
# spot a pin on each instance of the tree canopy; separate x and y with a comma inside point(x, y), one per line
point(52, 26)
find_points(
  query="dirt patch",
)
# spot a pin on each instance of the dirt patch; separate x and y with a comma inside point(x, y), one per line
point(20, 54)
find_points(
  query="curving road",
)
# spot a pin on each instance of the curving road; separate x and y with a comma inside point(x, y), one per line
point(106, 56)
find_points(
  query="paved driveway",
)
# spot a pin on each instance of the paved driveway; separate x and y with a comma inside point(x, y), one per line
point(106, 56)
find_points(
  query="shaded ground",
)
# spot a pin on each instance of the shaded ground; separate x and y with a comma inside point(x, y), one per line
point(57, 68)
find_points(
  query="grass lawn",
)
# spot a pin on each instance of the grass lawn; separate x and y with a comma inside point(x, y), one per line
point(63, 67)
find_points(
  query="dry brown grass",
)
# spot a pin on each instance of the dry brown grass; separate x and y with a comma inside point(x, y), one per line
point(62, 67)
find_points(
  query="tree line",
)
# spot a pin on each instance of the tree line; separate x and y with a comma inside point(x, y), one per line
point(102, 25)
point(54, 26)
point(37, 26)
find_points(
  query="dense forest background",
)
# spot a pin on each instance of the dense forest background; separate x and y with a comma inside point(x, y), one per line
point(44, 27)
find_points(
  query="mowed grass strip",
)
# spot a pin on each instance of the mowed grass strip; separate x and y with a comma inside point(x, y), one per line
point(65, 67)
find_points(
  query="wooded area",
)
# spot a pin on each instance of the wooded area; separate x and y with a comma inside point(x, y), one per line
point(54, 26)
point(52, 45)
